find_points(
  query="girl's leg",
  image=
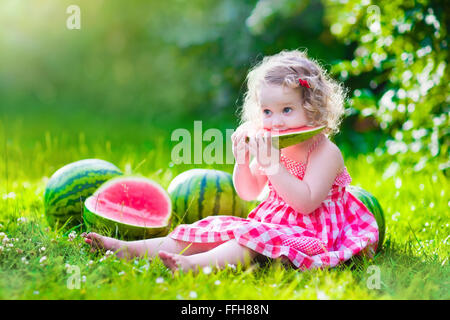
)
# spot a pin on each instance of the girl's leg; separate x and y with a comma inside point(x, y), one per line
point(230, 252)
point(130, 249)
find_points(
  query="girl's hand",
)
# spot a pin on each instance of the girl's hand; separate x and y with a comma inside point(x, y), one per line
point(240, 146)
point(267, 156)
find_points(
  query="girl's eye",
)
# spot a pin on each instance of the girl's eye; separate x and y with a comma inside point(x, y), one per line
point(287, 110)
point(267, 112)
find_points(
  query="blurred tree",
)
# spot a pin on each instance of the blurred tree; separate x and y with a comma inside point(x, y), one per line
point(399, 71)
point(155, 62)
point(166, 63)
point(223, 39)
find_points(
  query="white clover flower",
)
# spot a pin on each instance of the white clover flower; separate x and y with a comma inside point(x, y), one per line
point(43, 259)
point(121, 273)
point(217, 282)
point(83, 279)
point(72, 235)
point(11, 195)
point(42, 249)
point(159, 280)
point(24, 260)
point(207, 270)
point(193, 295)
point(108, 253)
point(232, 266)
point(4, 237)
point(322, 295)
point(22, 219)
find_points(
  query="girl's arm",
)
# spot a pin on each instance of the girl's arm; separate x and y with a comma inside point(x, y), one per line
point(248, 180)
point(306, 195)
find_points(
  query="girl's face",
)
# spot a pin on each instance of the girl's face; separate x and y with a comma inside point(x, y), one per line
point(281, 108)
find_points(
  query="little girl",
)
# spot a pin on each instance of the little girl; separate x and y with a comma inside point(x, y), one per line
point(308, 219)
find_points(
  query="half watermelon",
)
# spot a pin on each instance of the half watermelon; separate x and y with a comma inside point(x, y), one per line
point(286, 138)
point(129, 207)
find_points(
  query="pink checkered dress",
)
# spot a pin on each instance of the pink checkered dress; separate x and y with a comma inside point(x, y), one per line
point(338, 229)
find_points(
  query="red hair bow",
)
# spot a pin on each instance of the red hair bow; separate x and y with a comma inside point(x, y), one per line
point(303, 83)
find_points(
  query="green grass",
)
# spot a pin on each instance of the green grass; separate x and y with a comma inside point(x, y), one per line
point(412, 265)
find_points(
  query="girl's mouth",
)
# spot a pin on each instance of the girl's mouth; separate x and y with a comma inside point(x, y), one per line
point(280, 131)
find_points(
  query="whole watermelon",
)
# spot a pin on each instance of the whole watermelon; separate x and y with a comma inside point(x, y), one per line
point(199, 193)
point(69, 186)
point(374, 207)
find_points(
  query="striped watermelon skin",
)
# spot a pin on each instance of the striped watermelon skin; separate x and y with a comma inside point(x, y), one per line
point(289, 139)
point(293, 136)
point(374, 207)
point(121, 230)
point(69, 186)
point(199, 193)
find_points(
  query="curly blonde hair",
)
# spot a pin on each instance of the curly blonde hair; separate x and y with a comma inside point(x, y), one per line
point(323, 101)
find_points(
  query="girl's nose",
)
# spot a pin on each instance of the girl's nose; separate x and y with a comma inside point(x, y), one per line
point(277, 122)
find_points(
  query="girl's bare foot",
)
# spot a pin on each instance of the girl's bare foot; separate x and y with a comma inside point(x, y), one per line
point(177, 262)
point(97, 242)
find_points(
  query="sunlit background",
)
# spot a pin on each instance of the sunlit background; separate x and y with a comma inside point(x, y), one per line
point(117, 88)
point(140, 70)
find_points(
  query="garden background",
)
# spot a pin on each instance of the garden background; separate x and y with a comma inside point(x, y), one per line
point(116, 89)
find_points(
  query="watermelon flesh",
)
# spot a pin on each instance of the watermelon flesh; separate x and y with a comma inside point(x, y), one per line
point(133, 207)
point(289, 137)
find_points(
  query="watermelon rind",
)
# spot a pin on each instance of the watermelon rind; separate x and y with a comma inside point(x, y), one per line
point(199, 193)
point(289, 139)
point(70, 185)
point(106, 225)
point(372, 204)
point(284, 140)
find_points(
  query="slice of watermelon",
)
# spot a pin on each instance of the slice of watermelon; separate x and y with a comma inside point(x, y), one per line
point(129, 207)
point(286, 138)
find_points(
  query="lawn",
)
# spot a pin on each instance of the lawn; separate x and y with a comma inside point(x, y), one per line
point(38, 262)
